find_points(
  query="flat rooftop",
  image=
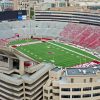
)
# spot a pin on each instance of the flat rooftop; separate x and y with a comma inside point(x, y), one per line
point(92, 70)
point(84, 71)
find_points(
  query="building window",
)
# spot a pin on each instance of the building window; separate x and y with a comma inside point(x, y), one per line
point(87, 89)
point(96, 87)
point(65, 89)
point(84, 80)
point(72, 80)
point(60, 78)
point(55, 87)
point(96, 94)
point(56, 94)
point(86, 95)
point(46, 91)
point(76, 89)
point(65, 96)
point(53, 5)
point(46, 97)
point(51, 84)
point(51, 97)
point(62, 4)
point(51, 91)
point(76, 96)
point(91, 79)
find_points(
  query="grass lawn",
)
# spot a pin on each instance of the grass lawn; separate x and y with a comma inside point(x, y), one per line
point(76, 50)
point(21, 41)
point(56, 53)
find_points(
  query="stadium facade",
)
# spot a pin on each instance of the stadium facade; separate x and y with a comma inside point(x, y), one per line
point(24, 78)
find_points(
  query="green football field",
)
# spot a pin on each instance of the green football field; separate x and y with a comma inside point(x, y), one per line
point(21, 41)
point(57, 53)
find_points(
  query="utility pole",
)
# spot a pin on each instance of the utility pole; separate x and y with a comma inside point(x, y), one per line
point(29, 8)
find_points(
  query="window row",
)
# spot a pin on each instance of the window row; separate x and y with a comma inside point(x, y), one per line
point(76, 89)
point(90, 80)
point(79, 89)
point(79, 96)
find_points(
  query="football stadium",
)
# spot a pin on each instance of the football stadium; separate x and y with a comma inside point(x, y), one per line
point(56, 56)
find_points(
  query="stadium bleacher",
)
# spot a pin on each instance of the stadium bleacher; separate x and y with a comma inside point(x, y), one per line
point(26, 28)
point(80, 34)
point(83, 35)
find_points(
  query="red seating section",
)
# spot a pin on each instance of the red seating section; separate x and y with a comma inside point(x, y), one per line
point(81, 34)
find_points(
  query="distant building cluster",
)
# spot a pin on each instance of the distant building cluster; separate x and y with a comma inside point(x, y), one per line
point(6, 5)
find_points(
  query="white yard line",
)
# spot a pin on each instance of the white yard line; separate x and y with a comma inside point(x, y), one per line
point(71, 50)
point(23, 44)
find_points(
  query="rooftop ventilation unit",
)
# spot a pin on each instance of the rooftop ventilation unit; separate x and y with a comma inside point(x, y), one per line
point(84, 71)
point(93, 72)
point(79, 70)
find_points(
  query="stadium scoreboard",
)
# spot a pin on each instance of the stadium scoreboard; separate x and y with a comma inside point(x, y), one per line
point(13, 15)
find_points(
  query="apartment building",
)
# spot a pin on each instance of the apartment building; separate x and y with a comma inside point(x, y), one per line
point(73, 84)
